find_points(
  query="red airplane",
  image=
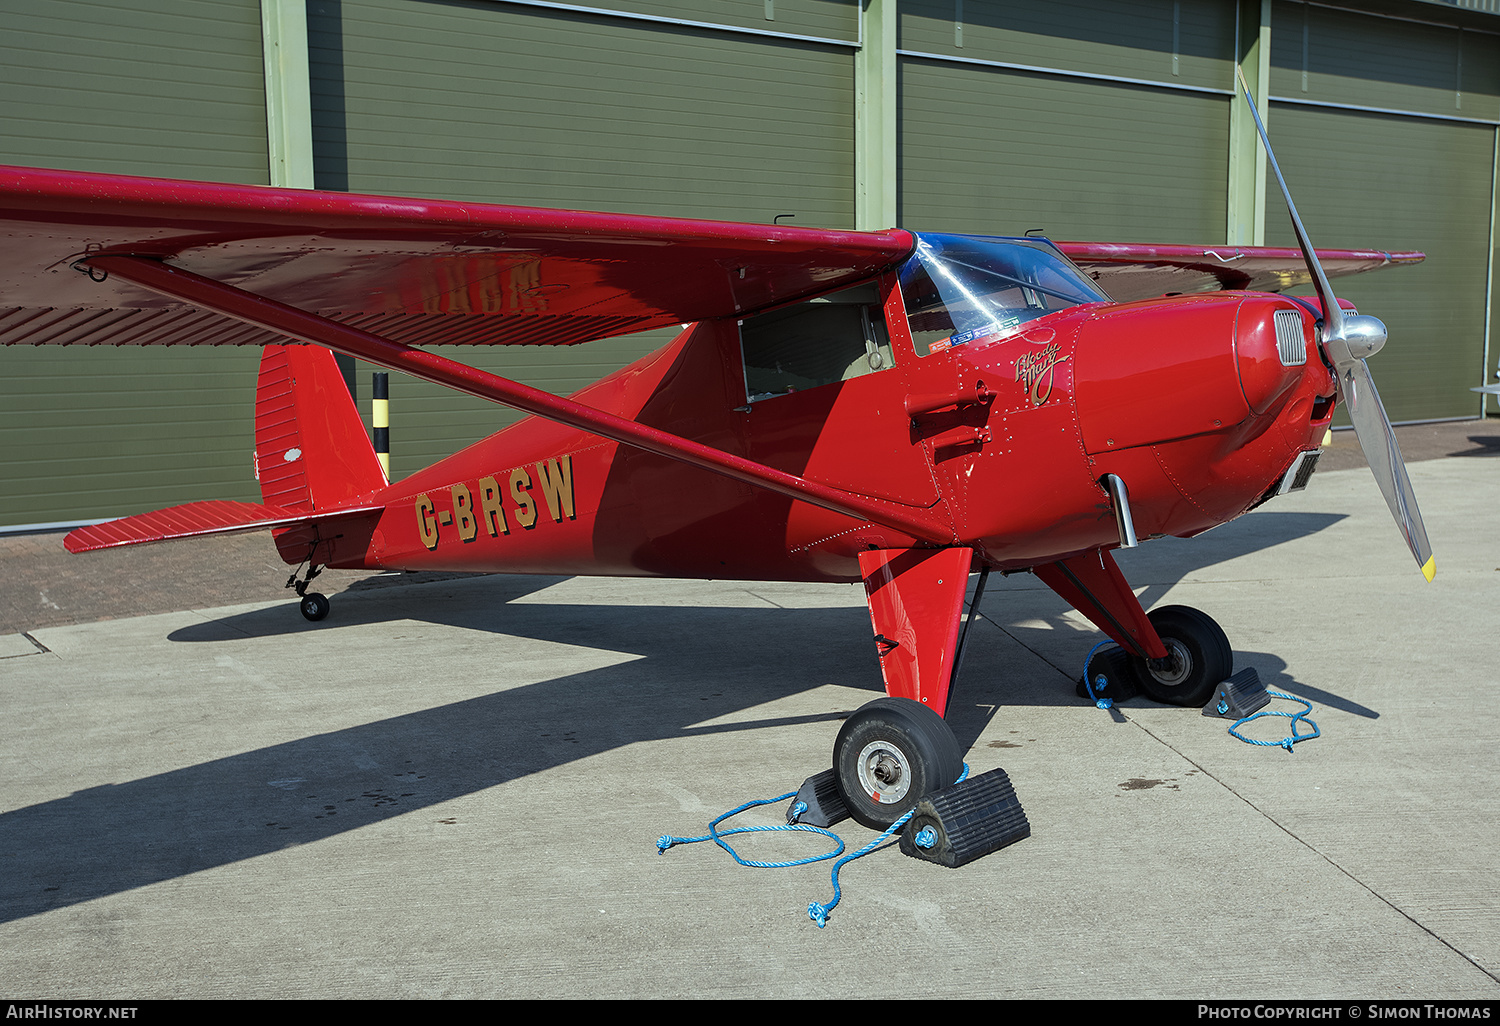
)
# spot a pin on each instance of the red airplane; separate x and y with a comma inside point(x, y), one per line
point(889, 407)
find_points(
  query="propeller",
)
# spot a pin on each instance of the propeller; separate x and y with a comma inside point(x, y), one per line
point(1347, 339)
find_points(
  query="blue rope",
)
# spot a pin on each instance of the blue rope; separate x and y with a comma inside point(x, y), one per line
point(1286, 742)
point(1102, 703)
point(818, 913)
point(714, 834)
point(1296, 718)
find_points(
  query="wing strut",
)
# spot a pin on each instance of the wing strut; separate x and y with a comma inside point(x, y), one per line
point(249, 308)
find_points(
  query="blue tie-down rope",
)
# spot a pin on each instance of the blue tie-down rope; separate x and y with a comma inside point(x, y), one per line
point(817, 912)
point(1296, 718)
point(1102, 703)
point(666, 840)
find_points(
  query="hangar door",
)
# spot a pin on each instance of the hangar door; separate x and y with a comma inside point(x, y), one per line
point(1090, 120)
point(508, 103)
point(172, 89)
point(1405, 161)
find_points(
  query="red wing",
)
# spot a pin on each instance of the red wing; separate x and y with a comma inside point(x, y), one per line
point(414, 271)
point(1130, 272)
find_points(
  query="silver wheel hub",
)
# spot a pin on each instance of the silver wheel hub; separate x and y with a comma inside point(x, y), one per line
point(1182, 664)
point(884, 772)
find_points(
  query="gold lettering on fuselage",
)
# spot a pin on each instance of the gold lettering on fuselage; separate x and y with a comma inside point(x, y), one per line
point(1036, 371)
point(520, 481)
point(490, 510)
point(554, 478)
point(427, 525)
point(463, 511)
point(557, 486)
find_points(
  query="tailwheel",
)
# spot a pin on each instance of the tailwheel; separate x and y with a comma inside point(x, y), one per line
point(315, 606)
point(1198, 657)
point(889, 755)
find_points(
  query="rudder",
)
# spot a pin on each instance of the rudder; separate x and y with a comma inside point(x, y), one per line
point(311, 450)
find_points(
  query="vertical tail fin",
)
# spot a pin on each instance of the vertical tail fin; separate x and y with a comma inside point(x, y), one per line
point(311, 450)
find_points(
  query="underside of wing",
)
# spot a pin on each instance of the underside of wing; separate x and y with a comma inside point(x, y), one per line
point(413, 271)
point(1129, 272)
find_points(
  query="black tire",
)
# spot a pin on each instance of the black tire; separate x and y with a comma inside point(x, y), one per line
point(315, 606)
point(889, 754)
point(1200, 652)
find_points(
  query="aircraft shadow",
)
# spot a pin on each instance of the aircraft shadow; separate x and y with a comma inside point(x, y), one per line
point(1154, 568)
point(1481, 445)
point(1159, 564)
point(109, 839)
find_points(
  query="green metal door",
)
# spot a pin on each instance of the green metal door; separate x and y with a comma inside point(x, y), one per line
point(1092, 121)
point(542, 107)
point(1385, 132)
point(171, 89)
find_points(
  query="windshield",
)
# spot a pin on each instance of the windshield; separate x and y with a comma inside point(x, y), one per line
point(962, 288)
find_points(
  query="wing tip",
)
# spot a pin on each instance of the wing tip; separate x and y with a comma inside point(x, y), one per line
point(76, 545)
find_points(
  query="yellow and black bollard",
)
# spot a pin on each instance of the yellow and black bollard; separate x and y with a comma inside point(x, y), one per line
point(380, 419)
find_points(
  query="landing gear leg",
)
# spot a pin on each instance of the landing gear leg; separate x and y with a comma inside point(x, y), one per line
point(314, 606)
point(1178, 654)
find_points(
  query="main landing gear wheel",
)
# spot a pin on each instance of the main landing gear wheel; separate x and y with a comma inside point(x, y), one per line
point(315, 606)
point(1199, 652)
point(889, 755)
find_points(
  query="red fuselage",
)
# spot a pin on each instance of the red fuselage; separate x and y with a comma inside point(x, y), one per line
point(1003, 441)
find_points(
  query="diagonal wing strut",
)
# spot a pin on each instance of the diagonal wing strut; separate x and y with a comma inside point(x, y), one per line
point(164, 279)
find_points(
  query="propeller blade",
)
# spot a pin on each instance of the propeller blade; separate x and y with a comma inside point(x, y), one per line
point(1333, 315)
point(1373, 429)
point(1347, 339)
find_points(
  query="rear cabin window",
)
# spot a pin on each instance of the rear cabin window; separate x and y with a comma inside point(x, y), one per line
point(828, 339)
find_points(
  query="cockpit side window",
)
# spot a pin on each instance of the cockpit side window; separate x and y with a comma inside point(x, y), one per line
point(926, 310)
point(828, 339)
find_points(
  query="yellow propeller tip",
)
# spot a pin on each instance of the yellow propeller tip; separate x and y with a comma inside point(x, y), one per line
point(1327, 438)
point(1429, 568)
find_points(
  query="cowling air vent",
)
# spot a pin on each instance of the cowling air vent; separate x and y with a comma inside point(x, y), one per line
point(1299, 472)
point(1291, 345)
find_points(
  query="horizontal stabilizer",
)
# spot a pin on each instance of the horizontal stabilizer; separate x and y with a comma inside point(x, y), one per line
point(217, 516)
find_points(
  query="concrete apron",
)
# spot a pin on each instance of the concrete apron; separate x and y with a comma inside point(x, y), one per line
point(454, 789)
